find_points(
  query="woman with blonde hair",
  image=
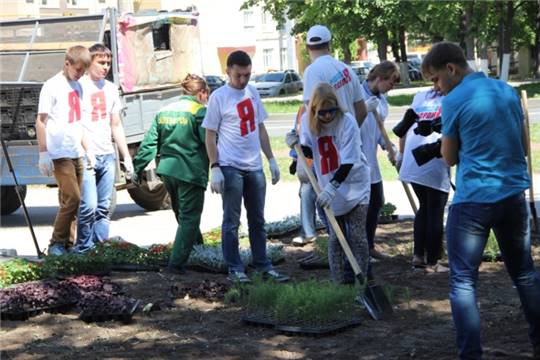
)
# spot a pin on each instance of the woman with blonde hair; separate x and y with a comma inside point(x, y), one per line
point(178, 137)
point(331, 137)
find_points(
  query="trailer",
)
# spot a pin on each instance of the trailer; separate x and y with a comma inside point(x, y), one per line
point(152, 53)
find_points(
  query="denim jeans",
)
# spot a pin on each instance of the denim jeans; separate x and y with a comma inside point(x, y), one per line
point(428, 222)
point(69, 175)
point(308, 216)
point(467, 230)
point(376, 200)
point(93, 219)
point(251, 186)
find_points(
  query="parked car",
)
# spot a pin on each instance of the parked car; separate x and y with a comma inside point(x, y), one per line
point(214, 82)
point(278, 83)
point(414, 73)
point(361, 72)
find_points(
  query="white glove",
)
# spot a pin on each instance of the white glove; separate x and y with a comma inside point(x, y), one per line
point(46, 166)
point(90, 160)
point(327, 195)
point(217, 183)
point(372, 103)
point(292, 138)
point(392, 155)
point(274, 170)
point(128, 165)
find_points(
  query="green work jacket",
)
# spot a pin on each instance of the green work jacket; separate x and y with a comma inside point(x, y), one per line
point(177, 136)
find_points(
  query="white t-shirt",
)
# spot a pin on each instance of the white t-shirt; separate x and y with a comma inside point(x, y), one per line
point(100, 101)
point(339, 144)
point(371, 135)
point(235, 115)
point(344, 80)
point(60, 100)
point(435, 173)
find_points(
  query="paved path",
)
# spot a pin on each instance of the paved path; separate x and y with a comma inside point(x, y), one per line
point(143, 228)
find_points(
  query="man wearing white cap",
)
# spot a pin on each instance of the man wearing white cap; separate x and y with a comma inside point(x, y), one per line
point(324, 68)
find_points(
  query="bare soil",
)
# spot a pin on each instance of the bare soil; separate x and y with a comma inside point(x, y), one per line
point(189, 319)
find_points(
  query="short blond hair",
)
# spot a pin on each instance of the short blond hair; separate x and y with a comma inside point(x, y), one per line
point(323, 95)
point(78, 54)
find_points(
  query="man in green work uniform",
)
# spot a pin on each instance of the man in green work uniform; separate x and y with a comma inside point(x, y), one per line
point(177, 136)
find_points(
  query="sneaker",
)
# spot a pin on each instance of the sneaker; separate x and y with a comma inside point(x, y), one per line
point(56, 249)
point(238, 276)
point(418, 262)
point(301, 241)
point(379, 255)
point(373, 260)
point(436, 269)
point(274, 275)
point(175, 270)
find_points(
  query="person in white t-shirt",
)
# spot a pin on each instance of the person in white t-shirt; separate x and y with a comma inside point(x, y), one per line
point(101, 120)
point(324, 68)
point(60, 140)
point(380, 80)
point(430, 182)
point(331, 137)
point(235, 136)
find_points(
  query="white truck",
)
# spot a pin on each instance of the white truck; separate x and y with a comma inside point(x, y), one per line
point(152, 53)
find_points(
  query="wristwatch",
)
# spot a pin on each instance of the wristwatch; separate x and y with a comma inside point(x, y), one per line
point(216, 164)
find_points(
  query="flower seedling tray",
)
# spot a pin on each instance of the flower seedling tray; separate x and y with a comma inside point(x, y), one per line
point(134, 267)
point(28, 313)
point(124, 317)
point(317, 330)
point(313, 261)
point(259, 319)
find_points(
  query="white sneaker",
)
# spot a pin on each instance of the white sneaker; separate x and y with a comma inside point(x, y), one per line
point(301, 241)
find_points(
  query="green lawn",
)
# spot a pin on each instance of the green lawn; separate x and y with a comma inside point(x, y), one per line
point(281, 153)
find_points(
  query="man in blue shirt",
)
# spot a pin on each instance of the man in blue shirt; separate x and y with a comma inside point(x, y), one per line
point(484, 135)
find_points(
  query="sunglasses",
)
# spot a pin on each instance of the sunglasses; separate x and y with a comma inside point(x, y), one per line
point(324, 112)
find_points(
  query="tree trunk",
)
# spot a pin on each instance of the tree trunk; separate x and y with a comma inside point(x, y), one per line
point(395, 50)
point(382, 43)
point(536, 49)
point(402, 43)
point(507, 19)
point(347, 56)
point(469, 31)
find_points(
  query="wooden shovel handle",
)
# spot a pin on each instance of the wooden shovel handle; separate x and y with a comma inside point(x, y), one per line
point(525, 105)
point(329, 214)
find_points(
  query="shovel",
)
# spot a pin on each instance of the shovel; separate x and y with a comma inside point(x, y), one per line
point(373, 297)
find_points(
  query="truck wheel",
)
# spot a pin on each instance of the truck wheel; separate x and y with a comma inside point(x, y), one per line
point(9, 200)
point(157, 199)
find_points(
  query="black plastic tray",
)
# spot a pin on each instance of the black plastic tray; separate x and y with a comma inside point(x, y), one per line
point(259, 319)
point(327, 329)
point(313, 261)
point(126, 317)
point(26, 314)
point(134, 267)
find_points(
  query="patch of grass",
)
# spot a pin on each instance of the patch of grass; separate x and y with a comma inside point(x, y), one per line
point(533, 90)
point(400, 100)
point(282, 107)
point(320, 246)
point(492, 248)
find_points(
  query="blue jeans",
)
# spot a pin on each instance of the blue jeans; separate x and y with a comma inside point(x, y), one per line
point(251, 186)
point(467, 230)
point(308, 217)
point(93, 217)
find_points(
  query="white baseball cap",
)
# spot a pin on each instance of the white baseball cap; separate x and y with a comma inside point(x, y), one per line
point(318, 34)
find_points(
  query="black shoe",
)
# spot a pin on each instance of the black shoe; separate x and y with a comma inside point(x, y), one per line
point(274, 275)
point(175, 269)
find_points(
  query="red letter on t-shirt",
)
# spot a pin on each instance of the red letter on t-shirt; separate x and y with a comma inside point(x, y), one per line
point(74, 107)
point(247, 115)
point(99, 107)
point(329, 156)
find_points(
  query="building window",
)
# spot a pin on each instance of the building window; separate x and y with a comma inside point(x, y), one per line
point(44, 2)
point(267, 57)
point(30, 1)
point(161, 37)
point(248, 19)
point(264, 19)
point(102, 1)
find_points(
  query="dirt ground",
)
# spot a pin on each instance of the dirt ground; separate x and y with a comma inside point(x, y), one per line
point(196, 328)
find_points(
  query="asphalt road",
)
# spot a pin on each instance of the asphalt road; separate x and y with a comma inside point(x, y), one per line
point(280, 124)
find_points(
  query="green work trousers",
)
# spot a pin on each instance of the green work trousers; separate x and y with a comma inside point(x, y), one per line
point(187, 202)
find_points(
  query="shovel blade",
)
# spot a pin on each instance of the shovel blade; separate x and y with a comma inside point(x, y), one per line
point(376, 302)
